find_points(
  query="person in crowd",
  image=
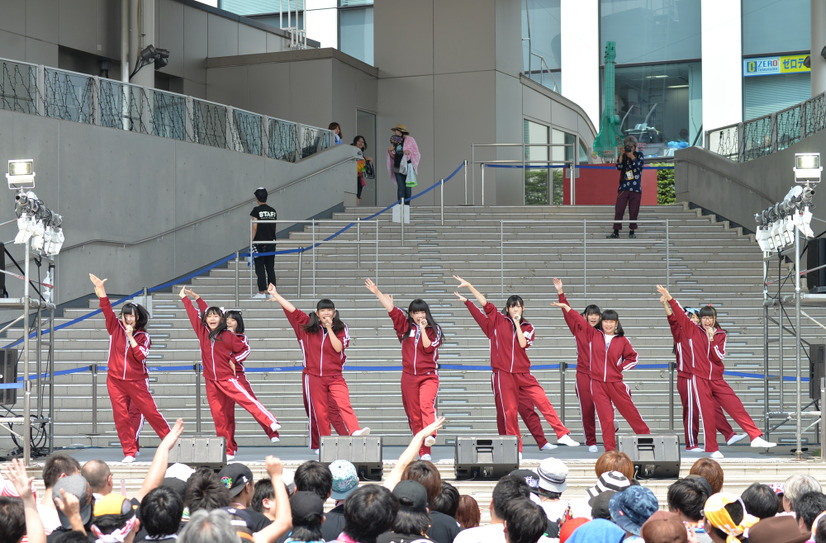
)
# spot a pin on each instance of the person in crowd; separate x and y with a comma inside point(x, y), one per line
point(507, 489)
point(402, 154)
point(512, 377)
point(443, 528)
point(631, 508)
point(447, 501)
point(308, 516)
point(708, 340)
point(369, 511)
point(56, 466)
point(587, 410)
point(468, 514)
point(686, 498)
point(263, 497)
point(553, 474)
point(363, 167)
point(598, 530)
point(160, 515)
point(664, 527)
point(323, 338)
point(222, 350)
point(760, 500)
point(685, 387)
point(213, 526)
point(238, 480)
point(99, 477)
point(607, 387)
point(779, 529)
point(420, 337)
point(525, 522)
point(128, 377)
point(412, 520)
point(630, 163)
point(819, 528)
point(807, 507)
point(615, 461)
point(726, 519)
point(337, 136)
point(114, 519)
point(73, 500)
point(19, 516)
point(205, 491)
point(608, 481)
point(263, 232)
point(710, 470)
point(797, 485)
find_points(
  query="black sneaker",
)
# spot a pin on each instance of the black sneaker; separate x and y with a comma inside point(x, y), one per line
point(632, 235)
point(613, 236)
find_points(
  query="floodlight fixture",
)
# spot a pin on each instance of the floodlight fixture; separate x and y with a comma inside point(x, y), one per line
point(21, 173)
point(807, 168)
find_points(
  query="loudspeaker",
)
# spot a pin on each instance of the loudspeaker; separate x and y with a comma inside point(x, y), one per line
point(210, 452)
point(654, 456)
point(363, 452)
point(817, 359)
point(816, 256)
point(8, 367)
point(486, 457)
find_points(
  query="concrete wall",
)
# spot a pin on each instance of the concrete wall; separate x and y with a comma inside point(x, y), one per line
point(122, 187)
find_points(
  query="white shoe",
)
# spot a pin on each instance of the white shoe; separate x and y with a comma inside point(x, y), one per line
point(717, 455)
point(520, 458)
point(275, 439)
point(760, 442)
point(735, 438)
point(547, 447)
point(230, 457)
point(275, 426)
point(695, 450)
point(426, 457)
point(137, 454)
point(128, 459)
point(361, 432)
point(259, 296)
point(315, 451)
point(429, 441)
point(567, 440)
point(593, 448)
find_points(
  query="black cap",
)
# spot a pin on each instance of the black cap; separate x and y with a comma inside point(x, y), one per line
point(235, 477)
point(305, 505)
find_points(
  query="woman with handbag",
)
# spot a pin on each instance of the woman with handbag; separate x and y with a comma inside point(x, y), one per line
point(364, 167)
point(403, 161)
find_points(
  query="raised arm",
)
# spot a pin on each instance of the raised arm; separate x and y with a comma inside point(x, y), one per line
point(283, 514)
point(16, 472)
point(386, 300)
point(280, 299)
point(202, 304)
point(476, 294)
point(677, 311)
point(157, 469)
point(410, 453)
point(478, 315)
point(105, 304)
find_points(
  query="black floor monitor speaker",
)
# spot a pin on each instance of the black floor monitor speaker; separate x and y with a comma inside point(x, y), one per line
point(654, 456)
point(817, 358)
point(8, 365)
point(210, 452)
point(486, 457)
point(816, 256)
point(363, 452)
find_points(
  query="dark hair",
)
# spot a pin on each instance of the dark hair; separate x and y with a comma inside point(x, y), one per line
point(468, 515)
point(368, 512)
point(735, 511)
point(12, 519)
point(808, 506)
point(235, 315)
point(689, 495)
point(711, 471)
point(205, 491)
point(760, 500)
point(356, 140)
point(820, 536)
point(514, 300)
point(72, 537)
point(419, 305)
point(427, 474)
point(709, 311)
point(591, 309)
point(261, 194)
point(56, 465)
point(308, 526)
point(160, 512)
point(140, 312)
point(313, 476)
point(96, 473)
point(615, 461)
point(222, 326)
point(409, 521)
point(333, 126)
point(447, 501)
point(313, 326)
point(526, 521)
point(508, 488)
point(263, 491)
point(611, 315)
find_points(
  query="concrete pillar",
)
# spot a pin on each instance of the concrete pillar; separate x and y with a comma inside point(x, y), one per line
point(141, 34)
point(722, 53)
point(818, 21)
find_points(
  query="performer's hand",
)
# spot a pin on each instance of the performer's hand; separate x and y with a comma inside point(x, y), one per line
point(423, 325)
point(16, 472)
point(98, 282)
point(232, 365)
point(130, 330)
point(191, 293)
point(565, 307)
point(462, 282)
point(664, 291)
point(328, 323)
point(558, 285)
point(275, 467)
point(182, 294)
point(459, 297)
point(371, 286)
point(663, 300)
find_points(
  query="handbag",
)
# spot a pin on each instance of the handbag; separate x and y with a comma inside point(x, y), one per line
point(403, 167)
point(369, 172)
point(411, 176)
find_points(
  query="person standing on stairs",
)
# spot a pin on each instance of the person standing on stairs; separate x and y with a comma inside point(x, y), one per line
point(630, 163)
point(264, 264)
point(402, 154)
point(420, 337)
point(611, 354)
point(708, 340)
point(512, 378)
point(222, 352)
point(128, 378)
point(322, 337)
point(587, 409)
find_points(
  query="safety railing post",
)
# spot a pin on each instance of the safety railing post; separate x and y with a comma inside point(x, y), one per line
point(313, 250)
point(376, 270)
point(671, 367)
point(401, 218)
point(465, 181)
point(94, 369)
point(237, 278)
point(562, 366)
point(667, 255)
point(197, 368)
point(300, 255)
point(442, 200)
point(822, 422)
point(482, 167)
point(145, 297)
point(502, 257)
point(585, 257)
point(358, 242)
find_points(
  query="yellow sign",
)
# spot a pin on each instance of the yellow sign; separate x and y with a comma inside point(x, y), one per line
point(789, 64)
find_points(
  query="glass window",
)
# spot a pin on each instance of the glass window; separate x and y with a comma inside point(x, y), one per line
point(544, 32)
point(536, 180)
point(651, 30)
point(770, 26)
point(257, 7)
point(355, 33)
point(349, 3)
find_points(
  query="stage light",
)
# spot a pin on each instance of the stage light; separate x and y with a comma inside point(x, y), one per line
point(21, 173)
point(807, 168)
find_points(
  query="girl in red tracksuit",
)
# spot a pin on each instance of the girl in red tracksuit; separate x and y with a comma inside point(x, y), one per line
point(222, 351)
point(587, 409)
point(611, 354)
point(708, 348)
point(512, 379)
point(685, 387)
point(420, 337)
point(323, 338)
point(128, 378)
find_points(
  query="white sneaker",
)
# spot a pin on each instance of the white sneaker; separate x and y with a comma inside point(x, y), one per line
point(695, 450)
point(426, 457)
point(315, 451)
point(567, 440)
point(547, 447)
point(361, 432)
point(429, 441)
point(759, 442)
point(259, 296)
point(128, 459)
point(735, 438)
point(593, 448)
point(520, 458)
point(275, 426)
point(230, 457)
point(717, 455)
point(275, 439)
point(137, 454)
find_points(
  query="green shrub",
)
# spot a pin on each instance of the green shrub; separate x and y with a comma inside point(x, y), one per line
point(665, 185)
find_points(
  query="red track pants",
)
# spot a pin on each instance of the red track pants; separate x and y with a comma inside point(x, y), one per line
point(586, 407)
point(318, 390)
point(419, 400)
point(608, 395)
point(131, 403)
point(691, 414)
point(223, 395)
point(717, 391)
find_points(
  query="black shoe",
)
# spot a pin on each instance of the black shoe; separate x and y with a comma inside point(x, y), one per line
point(632, 235)
point(615, 235)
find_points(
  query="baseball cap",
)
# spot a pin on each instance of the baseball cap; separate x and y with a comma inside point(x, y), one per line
point(552, 474)
point(345, 479)
point(530, 477)
point(74, 484)
point(412, 496)
point(632, 507)
point(304, 506)
point(610, 480)
point(599, 505)
point(235, 477)
point(664, 527)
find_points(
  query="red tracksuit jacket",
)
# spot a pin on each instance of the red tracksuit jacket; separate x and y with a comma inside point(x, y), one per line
point(607, 362)
point(416, 358)
point(685, 357)
point(508, 356)
point(707, 356)
point(320, 358)
point(583, 346)
point(239, 358)
point(216, 353)
point(125, 362)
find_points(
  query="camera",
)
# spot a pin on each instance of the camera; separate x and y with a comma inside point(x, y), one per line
point(628, 148)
